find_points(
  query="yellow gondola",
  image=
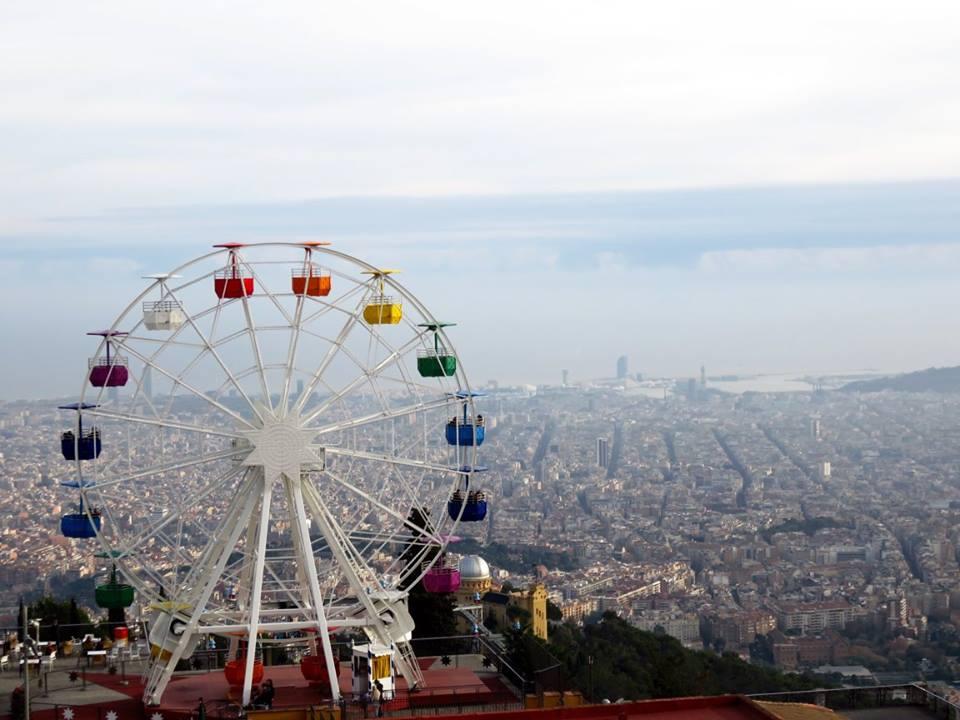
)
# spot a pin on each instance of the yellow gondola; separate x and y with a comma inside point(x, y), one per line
point(382, 309)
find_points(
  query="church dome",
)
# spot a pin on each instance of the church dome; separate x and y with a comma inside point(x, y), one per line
point(474, 567)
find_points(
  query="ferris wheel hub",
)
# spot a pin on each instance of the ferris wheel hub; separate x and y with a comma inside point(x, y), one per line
point(282, 447)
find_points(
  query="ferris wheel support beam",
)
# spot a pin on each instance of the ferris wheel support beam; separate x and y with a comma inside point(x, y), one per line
point(309, 564)
point(243, 582)
point(234, 522)
point(329, 528)
point(302, 578)
point(425, 532)
point(254, 618)
point(167, 518)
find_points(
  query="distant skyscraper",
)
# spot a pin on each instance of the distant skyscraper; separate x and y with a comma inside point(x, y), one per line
point(602, 454)
point(148, 382)
point(815, 428)
point(566, 377)
point(299, 388)
point(703, 376)
point(823, 470)
point(623, 367)
point(114, 395)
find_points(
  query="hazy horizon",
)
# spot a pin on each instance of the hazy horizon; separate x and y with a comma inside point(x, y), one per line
point(785, 279)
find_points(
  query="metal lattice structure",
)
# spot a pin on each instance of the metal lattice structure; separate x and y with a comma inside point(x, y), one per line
point(274, 462)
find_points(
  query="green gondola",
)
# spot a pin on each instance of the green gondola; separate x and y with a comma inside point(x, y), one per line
point(114, 595)
point(437, 361)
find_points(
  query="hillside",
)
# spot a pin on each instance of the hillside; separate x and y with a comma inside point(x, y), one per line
point(634, 664)
point(936, 380)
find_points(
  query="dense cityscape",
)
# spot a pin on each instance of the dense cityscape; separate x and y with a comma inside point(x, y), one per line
point(806, 530)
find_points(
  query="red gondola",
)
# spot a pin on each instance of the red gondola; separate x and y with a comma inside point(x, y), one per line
point(231, 282)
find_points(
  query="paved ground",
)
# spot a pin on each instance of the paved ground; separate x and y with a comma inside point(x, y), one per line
point(60, 690)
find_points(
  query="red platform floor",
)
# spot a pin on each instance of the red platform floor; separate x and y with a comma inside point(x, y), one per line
point(449, 686)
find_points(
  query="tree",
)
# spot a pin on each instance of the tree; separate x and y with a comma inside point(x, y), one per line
point(634, 664)
point(52, 613)
point(553, 612)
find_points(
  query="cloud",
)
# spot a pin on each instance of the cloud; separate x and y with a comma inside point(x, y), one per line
point(112, 103)
point(924, 258)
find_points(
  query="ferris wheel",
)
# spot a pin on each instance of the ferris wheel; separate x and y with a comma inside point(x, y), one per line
point(274, 439)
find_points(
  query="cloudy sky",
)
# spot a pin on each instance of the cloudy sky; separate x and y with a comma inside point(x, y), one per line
point(759, 186)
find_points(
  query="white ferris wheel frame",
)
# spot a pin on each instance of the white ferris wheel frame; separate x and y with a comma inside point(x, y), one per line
point(373, 605)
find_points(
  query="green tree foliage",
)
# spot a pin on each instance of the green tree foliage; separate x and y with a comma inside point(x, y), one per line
point(554, 613)
point(518, 558)
point(633, 664)
point(63, 616)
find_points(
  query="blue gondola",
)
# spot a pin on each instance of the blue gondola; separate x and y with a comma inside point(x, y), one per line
point(80, 525)
point(468, 432)
point(87, 447)
point(474, 506)
point(465, 431)
point(79, 444)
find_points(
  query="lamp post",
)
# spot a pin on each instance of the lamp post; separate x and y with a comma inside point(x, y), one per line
point(590, 670)
point(26, 665)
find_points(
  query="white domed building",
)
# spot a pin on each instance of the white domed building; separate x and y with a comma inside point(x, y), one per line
point(474, 578)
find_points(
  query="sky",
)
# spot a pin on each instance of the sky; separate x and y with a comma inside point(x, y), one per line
point(757, 186)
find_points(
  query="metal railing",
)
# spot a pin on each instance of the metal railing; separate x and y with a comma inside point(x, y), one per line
point(162, 305)
point(113, 361)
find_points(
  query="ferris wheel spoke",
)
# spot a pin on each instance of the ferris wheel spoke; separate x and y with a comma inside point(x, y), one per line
point(357, 572)
point(160, 422)
point(183, 464)
point(187, 386)
point(252, 333)
point(375, 503)
point(164, 341)
point(391, 460)
point(361, 379)
point(292, 352)
point(331, 354)
point(216, 310)
point(145, 535)
point(328, 307)
point(234, 520)
point(383, 415)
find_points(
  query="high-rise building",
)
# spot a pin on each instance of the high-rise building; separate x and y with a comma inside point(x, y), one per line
point(703, 376)
point(566, 377)
point(602, 452)
point(113, 395)
point(623, 368)
point(300, 387)
point(823, 470)
point(815, 428)
point(148, 382)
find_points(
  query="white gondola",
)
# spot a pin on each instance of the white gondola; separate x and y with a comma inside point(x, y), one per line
point(166, 313)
